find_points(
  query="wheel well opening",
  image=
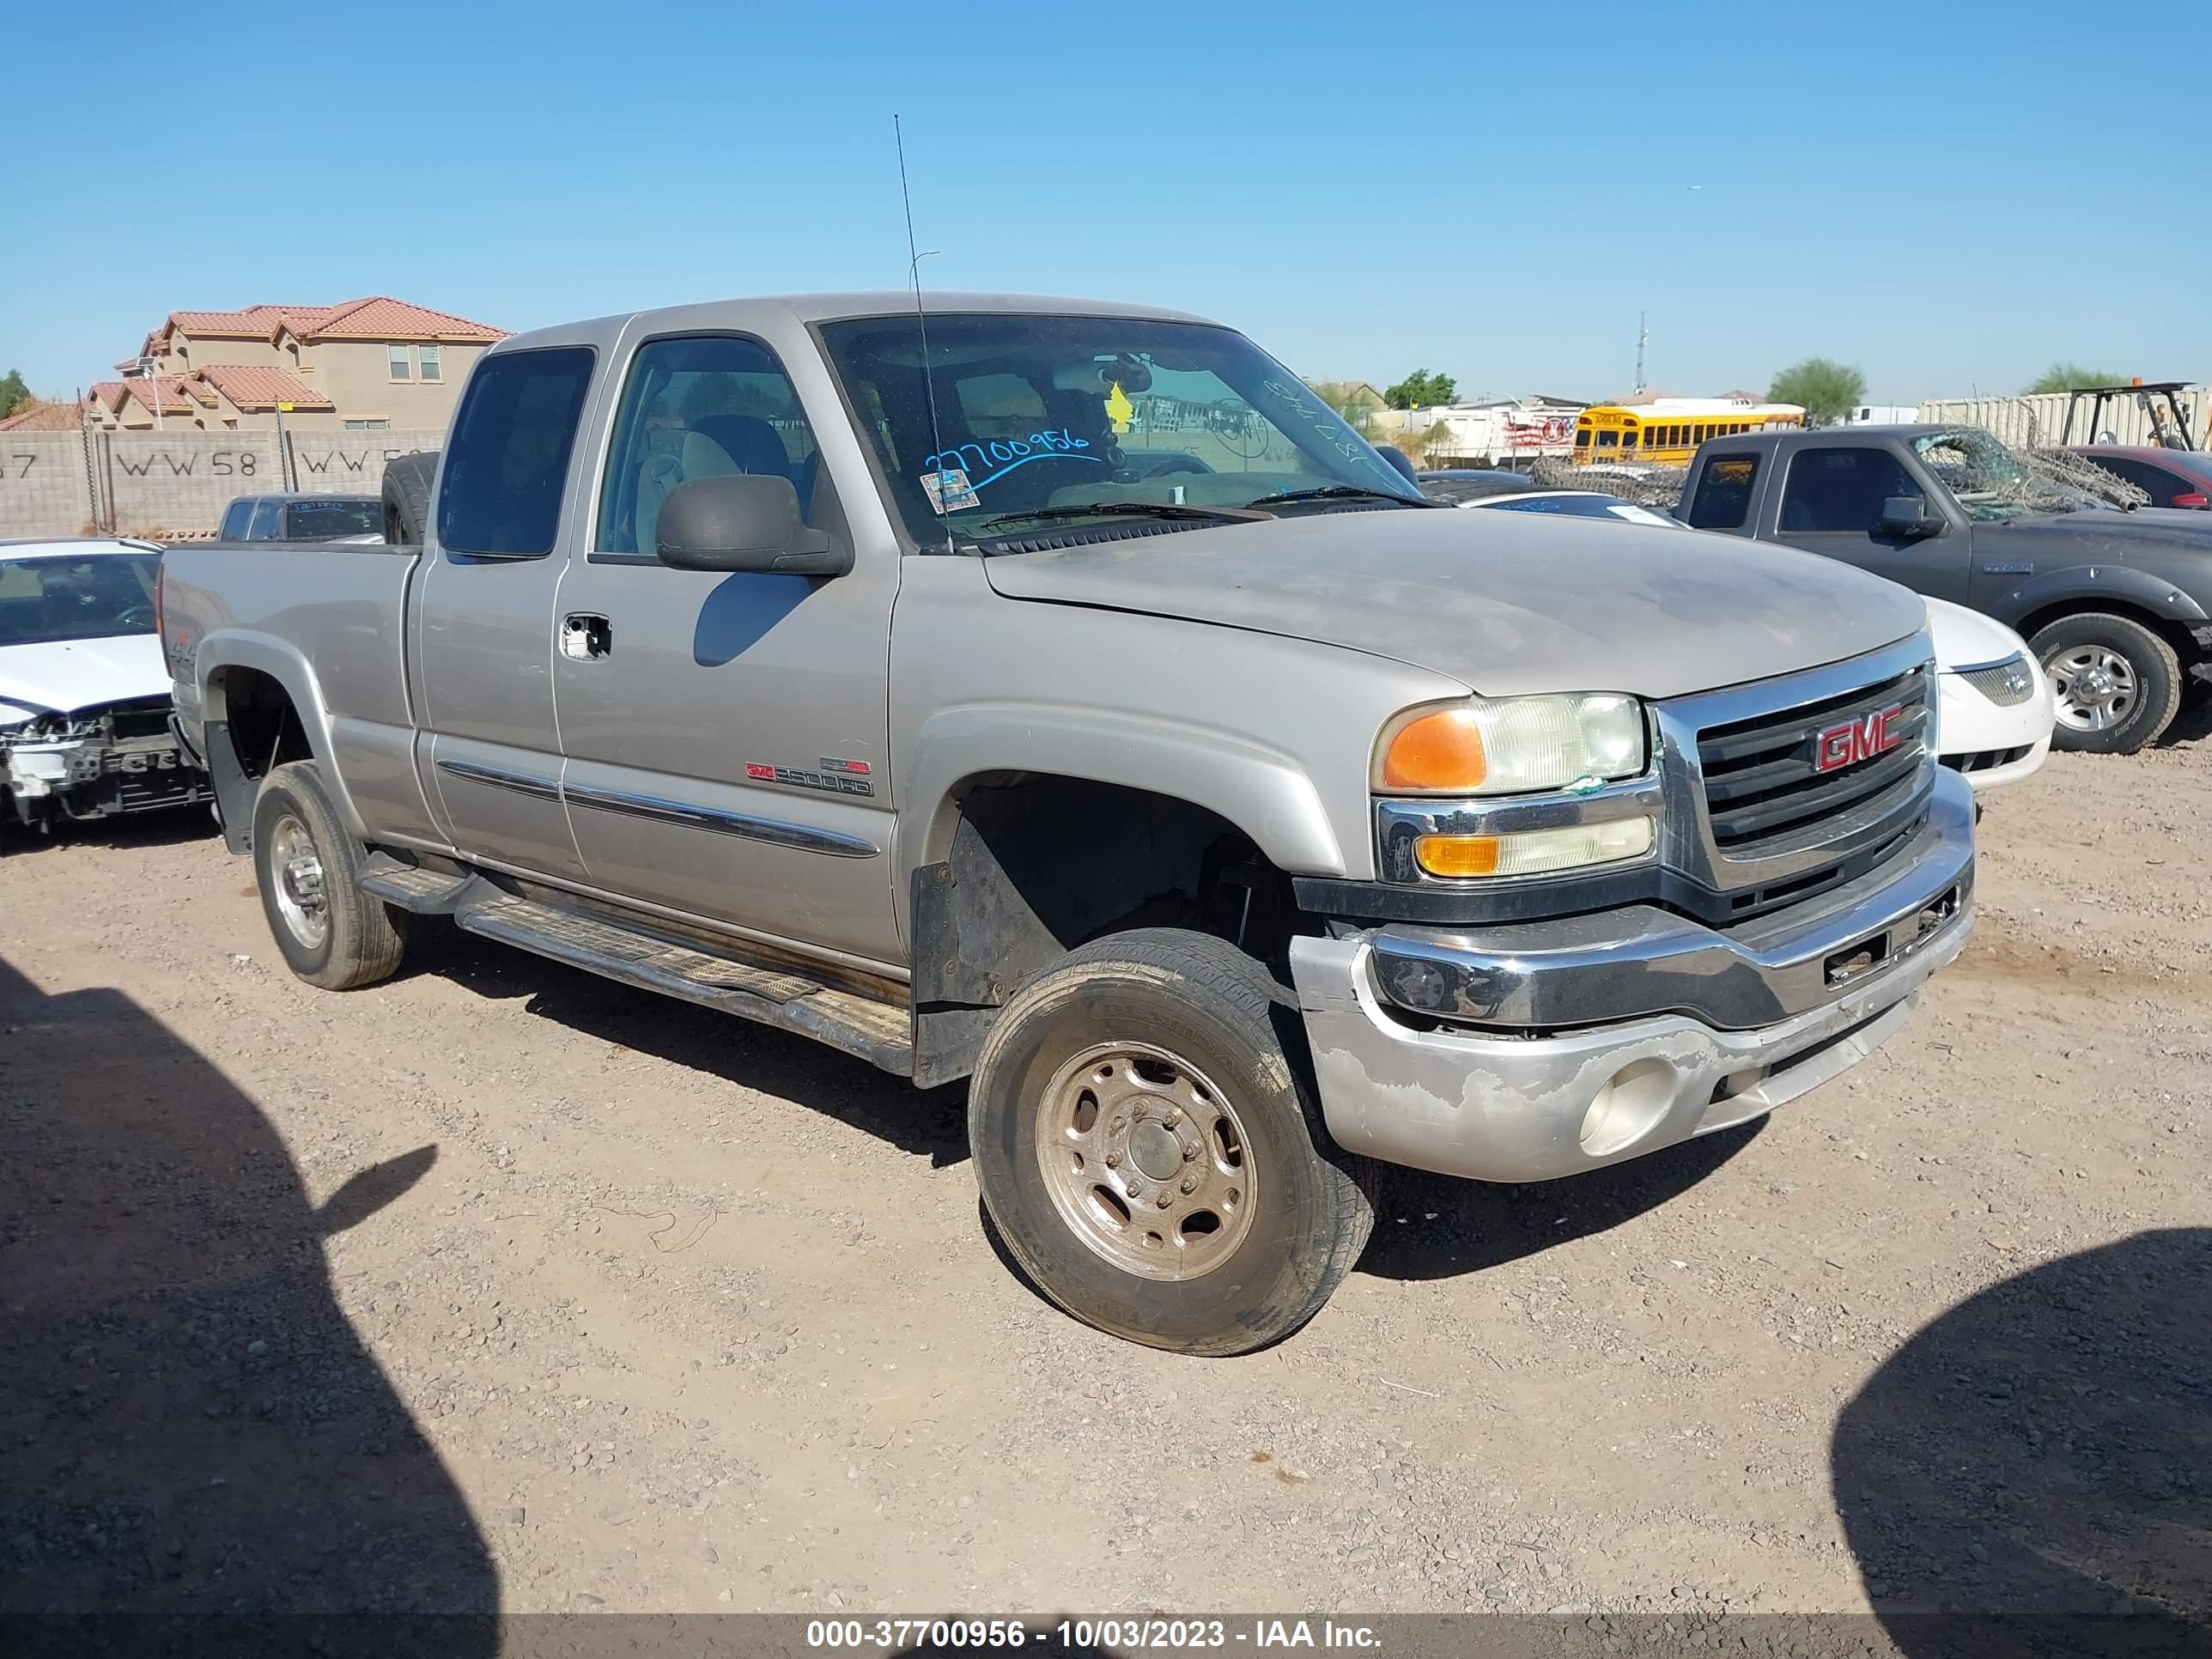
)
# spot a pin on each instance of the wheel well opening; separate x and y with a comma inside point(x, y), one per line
point(1037, 865)
point(2178, 634)
point(264, 726)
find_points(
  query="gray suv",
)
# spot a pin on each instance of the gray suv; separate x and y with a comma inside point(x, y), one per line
point(1058, 695)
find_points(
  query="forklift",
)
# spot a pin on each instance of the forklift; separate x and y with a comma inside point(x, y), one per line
point(2159, 401)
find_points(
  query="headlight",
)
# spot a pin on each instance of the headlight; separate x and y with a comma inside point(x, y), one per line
point(1511, 746)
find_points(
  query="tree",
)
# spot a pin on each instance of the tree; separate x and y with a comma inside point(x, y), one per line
point(1421, 390)
point(1826, 391)
point(1351, 399)
point(13, 394)
point(2067, 377)
point(1421, 446)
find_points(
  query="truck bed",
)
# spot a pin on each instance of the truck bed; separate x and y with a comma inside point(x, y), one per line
point(338, 607)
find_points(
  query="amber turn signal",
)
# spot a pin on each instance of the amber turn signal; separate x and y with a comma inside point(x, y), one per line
point(1457, 855)
point(1438, 751)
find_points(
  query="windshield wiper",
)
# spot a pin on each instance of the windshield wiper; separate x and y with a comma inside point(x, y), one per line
point(1143, 509)
point(1342, 493)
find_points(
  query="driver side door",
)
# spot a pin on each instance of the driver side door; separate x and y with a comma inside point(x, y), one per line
point(1832, 497)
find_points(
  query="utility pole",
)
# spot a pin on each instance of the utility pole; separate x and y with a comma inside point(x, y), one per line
point(1641, 335)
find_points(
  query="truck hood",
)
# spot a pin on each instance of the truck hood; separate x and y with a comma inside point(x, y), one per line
point(62, 676)
point(1507, 603)
point(2091, 533)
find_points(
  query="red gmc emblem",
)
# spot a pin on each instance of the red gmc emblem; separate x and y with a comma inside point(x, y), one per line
point(1857, 740)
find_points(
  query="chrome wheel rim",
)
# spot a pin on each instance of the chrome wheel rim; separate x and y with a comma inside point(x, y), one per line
point(2093, 686)
point(296, 868)
point(1146, 1160)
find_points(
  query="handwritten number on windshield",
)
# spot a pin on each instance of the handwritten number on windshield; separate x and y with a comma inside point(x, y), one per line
point(1005, 454)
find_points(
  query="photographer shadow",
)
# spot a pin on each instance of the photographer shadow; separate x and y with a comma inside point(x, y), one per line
point(2031, 1471)
point(193, 1440)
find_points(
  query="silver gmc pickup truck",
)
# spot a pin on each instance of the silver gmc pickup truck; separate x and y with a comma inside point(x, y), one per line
point(1058, 695)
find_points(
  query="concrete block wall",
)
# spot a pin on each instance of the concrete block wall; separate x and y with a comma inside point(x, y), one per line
point(177, 483)
point(42, 484)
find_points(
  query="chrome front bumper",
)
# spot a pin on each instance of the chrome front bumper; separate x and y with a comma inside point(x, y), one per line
point(1529, 1052)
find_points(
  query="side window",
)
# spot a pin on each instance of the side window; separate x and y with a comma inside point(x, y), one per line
point(1842, 489)
point(265, 526)
point(1722, 501)
point(506, 459)
point(698, 406)
point(235, 518)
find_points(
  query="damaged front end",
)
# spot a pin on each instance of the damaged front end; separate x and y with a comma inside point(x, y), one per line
point(94, 764)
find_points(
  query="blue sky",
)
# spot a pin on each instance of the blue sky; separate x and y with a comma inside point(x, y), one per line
point(1948, 196)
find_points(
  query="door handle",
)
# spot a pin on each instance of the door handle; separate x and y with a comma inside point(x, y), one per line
point(586, 637)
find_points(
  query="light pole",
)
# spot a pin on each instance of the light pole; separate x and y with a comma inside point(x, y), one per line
point(149, 367)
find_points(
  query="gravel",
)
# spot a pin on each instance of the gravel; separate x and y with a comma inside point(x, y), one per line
point(312, 1288)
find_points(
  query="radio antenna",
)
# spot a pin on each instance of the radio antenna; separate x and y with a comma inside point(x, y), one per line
point(920, 317)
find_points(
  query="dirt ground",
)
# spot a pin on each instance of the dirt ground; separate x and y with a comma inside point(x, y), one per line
point(499, 1286)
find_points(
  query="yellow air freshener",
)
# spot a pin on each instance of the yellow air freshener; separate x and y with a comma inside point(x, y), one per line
point(1119, 407)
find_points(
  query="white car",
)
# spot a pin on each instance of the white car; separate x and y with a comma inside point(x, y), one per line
point(1996, 710)
point(84, 693)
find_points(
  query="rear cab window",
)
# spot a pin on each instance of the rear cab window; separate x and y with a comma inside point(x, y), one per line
point(506, 459)
point(1722, 498)
point(235, 518)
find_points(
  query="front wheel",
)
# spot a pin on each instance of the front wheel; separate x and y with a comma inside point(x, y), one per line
point(308, 869)
point(2117, 685)
point(1148, 1146)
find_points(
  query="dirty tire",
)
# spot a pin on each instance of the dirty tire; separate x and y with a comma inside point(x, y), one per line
point(1228, 1024)
point(407, 481)
point(2151, 662)
point(360, 939)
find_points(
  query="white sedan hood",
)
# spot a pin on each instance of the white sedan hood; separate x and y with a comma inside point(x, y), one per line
point(62, 676)
point(1968, 638)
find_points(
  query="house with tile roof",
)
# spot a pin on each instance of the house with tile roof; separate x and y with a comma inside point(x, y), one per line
point(374, 364)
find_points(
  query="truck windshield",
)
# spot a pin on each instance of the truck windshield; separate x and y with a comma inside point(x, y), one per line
point(1990, 480)
point(317, 521)
point(43, 600)
point(1068, 416)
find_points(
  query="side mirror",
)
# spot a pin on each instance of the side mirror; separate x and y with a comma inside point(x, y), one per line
point(742, 521)
point(1399, 458)
point(1907, 518)
point(2194, 498)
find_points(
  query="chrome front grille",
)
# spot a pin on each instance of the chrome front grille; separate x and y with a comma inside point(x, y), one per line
point(1755, 820)
point(1766, 786)
point(2008, 683)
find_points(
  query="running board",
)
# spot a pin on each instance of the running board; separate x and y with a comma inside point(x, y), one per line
point(881, 1033)
point(409, 887)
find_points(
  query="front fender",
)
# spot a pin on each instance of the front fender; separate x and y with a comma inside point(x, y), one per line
point(1263, 792)
point(2092, 586)
point(283, 662)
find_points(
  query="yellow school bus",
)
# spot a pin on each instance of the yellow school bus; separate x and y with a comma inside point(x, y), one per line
point(1667, 430)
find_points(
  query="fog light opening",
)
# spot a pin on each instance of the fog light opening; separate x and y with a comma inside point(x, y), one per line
point(1623, 1111)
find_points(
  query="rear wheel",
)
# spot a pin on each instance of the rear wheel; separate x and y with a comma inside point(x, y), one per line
point(2117, 684)
point(1148, 1149)
point(308, 869)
